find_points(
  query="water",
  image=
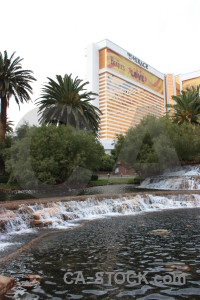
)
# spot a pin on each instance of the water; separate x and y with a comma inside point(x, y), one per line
point(108, 189)
point(141, 233)
point(64, 214)
point(180, 178)
point(115, 244)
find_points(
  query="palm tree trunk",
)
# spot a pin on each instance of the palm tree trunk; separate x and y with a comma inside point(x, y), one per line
point(3, 117)
point(3, 130)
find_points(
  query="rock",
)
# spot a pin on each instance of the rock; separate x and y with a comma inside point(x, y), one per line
point(160, 232)
point(29, 285)
point(66, 217)
point(177, 267)
point(6, 283)
point(46, 212)
point(36, 216)
point(69, 216)
point(33, 277)
point(3, 224)
point(40, 223)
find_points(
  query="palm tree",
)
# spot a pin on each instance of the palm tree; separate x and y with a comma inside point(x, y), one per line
point(187, 106)
point(9, 125)
point(14, 81)
point(66, 101)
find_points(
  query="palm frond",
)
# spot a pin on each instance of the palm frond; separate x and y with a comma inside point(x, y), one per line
point(187, 106)
point(66, 101)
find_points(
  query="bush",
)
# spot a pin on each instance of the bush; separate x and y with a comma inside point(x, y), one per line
point(157, 144)
point(137, 180)
point(53, 155)
point(107, 163)
point(4, 179)
point(94, 177)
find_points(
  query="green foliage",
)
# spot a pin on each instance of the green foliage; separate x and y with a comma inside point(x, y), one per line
point(136, 180)
point(186, 141)
point(4, 153)
point(4, 179)
point(14, 81)
point(53, 155)
point(117, 147)
point(130, 181)
point(158, 143)
point(94, 177)
point(107, 163)
point(187, 106)
point(65, 101)
point(9, 125)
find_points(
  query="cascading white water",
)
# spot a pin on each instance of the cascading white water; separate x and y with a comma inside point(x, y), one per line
point(180, 178)
point(66, 214)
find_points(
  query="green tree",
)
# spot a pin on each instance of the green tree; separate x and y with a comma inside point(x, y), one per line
point(118, 144)
point(158, 143)
point(107, 163)
point(187, 106)
point(66, 101)
point(54, 156)
point(148, 147)
point(185, 138)
point(9, 125)
point(14, 82)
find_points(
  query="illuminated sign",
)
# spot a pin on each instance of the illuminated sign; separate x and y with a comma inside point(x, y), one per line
point(129, 69)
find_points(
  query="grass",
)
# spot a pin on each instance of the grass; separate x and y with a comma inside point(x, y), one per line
point(106, 181)
point(5, 186)
point(99, 182)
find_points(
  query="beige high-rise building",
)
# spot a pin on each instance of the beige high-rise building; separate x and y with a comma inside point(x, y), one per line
point(129, 88)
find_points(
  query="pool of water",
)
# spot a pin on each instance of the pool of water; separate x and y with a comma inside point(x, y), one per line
point(108, 189)
point(115, 244)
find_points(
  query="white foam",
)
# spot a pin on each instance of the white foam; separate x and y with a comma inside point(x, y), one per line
point(67, 215)
point(6, 245)
point(95, 209)
point(181, 178)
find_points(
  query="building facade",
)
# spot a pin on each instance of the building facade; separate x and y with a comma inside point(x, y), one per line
point(129, 88)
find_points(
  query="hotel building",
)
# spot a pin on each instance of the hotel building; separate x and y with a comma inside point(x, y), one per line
point(129, 88)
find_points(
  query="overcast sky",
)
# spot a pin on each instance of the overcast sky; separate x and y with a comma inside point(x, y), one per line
point(51, 35)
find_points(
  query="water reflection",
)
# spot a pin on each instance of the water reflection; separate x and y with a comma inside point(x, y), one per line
point(117, 244)
point(108, 189)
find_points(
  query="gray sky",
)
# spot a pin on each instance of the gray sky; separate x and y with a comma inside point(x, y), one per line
point(51, 35)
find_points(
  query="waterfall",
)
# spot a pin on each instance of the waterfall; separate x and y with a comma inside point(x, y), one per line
point(28, 218)
point(180, 178)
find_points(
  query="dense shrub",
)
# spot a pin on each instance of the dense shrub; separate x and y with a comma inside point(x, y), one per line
point(137, 180)
point(4, 179)
point(158, 143)
point(53, 155)
point(107, 163)
point(94, 177)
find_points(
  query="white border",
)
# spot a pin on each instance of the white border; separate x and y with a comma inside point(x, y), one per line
point(190, 75)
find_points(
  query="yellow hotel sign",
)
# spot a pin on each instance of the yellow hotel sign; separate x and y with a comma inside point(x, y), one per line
point(129, 69)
